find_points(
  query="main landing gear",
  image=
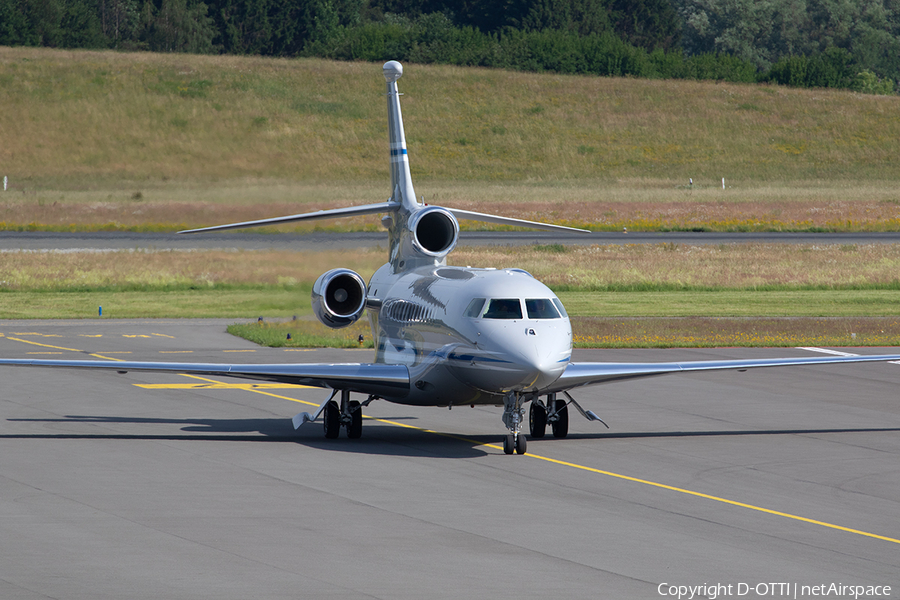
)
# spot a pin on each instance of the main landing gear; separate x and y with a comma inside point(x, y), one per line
point(348, 415)
point(556, 413)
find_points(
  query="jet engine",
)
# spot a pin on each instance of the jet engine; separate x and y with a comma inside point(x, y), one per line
point(339, 297)
point(435, 231)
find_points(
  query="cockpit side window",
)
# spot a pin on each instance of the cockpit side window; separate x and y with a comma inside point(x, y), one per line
point(562, 309)
point(474, 309)
point(541, 308)
point(504, 308)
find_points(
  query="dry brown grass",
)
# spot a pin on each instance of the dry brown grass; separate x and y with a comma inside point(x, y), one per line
point(731, 266)
point(598, 267)
point(834, 209)
point(594, 332)
point(173, 268)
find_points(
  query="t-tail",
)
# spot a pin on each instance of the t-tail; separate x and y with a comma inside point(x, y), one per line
point(420, 235)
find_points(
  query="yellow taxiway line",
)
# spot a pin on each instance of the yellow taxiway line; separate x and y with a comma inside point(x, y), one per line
point(259, 389)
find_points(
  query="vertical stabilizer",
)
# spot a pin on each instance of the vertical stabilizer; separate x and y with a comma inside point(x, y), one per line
point(401, 183)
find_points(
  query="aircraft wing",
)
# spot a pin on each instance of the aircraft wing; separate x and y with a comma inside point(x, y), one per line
point(582, 374)
point(377, 379)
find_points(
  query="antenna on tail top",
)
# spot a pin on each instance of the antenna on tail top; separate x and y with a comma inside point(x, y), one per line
point(392, 71)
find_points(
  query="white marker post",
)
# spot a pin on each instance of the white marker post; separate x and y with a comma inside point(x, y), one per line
point(5, 182)
point(723, 183)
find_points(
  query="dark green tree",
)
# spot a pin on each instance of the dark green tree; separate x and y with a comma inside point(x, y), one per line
point(177, 26)
point(15, 27)
point(648, 24)
point(80, 26)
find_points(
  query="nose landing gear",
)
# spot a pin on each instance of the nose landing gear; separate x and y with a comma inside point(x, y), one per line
point(513, 415)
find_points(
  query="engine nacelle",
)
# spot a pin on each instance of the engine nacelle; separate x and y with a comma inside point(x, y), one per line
point(435, 231)
point(339, 297)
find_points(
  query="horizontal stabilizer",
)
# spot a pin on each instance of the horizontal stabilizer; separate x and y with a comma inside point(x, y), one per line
point(485, 218)
point(336, 213)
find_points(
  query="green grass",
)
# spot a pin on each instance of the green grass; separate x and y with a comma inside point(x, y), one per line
point(734, 303)
point(151, 304)
point(147, 142)
point(107, 121)
point(278, 302)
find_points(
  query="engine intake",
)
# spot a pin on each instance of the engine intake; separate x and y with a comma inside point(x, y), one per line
point(435, 231)
point(339, 298)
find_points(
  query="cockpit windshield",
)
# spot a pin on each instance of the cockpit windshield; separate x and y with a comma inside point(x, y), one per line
point(511, 308)
point(541, 308)
point(504, 308)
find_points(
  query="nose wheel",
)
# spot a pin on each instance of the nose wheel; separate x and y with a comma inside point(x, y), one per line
point(513, 416)
point(515, 443)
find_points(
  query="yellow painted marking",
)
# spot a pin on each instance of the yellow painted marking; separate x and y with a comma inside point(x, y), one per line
point(107, 357)
point(661, 486)
point(46, 352)
point(609, 473)
point(135, 335)
point(219, 386)
point(37, 334)
point(42, 345)
point(715, 498)
point(299, 349)
point(164, 335)
point(624, 477)
point(251, 350)
point(90, 335)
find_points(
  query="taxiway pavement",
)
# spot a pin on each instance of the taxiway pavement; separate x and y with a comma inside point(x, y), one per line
point(193, 489)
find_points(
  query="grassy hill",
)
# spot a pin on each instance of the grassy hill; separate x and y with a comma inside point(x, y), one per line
point(127, 139)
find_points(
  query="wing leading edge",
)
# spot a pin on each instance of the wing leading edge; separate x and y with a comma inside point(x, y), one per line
point(380, 380)
point(582, 374)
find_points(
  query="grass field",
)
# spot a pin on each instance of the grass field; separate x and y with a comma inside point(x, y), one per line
point(146, 142)
point(633, 295)
point(156, 142)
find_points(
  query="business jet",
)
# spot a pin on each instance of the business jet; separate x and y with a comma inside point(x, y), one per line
point(444, 336)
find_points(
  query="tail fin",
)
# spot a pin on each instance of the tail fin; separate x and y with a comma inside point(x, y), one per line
point(402, 205)
point(402, 191)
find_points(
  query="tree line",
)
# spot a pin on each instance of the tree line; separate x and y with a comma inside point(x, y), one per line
point(807, 43)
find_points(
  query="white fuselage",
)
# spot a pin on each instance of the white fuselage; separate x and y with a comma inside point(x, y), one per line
point(460, 349)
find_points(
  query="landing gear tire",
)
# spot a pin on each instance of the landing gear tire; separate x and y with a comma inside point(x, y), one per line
point(537, 420)
point(354, 427)
point(332, 420)
point(521, 444)
point(561, 424)
point(509, 444)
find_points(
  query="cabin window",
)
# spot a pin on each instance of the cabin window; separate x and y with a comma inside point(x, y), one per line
point(541, 308)
point(474, 309)
point(562, 310)
point(504, 308)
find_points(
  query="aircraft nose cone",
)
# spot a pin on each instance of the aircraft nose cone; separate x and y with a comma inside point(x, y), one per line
point(538, 365)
